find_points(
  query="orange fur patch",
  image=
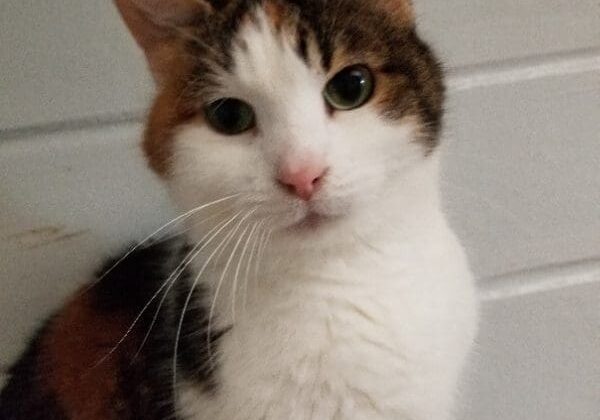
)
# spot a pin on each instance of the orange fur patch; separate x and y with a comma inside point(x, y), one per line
point(78, 338)
point(167, 113)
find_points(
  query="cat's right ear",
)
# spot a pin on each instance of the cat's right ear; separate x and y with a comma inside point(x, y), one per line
point(154, 23)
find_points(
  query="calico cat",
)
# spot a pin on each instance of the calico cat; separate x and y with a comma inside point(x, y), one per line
point(318, 278)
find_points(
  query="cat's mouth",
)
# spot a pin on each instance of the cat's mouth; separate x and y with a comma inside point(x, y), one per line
point(313, 220)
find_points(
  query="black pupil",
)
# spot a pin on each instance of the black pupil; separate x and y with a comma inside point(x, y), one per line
point(349, 85)
point(229, 113)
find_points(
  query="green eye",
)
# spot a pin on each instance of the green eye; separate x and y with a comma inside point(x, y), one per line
point(350, 88)
point(230, 116)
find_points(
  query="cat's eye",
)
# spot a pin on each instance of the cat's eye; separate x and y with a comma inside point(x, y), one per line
point(350, 88)
point(230, 116)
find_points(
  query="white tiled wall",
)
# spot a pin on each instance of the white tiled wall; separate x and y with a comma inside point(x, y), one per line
point(538, 357)
point(521, 179)
point(468, 32)
point(66, 60)
point(521, 175)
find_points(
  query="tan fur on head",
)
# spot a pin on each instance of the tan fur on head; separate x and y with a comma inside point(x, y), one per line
point(166, 114)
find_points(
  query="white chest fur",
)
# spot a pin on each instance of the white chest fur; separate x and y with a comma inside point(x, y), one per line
point(379, 335)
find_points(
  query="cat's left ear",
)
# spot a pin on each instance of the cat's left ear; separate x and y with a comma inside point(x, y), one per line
point(401, 10)
point(154, 23)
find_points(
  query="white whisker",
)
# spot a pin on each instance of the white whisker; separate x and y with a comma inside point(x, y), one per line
point(249, 263)
point(225, 241)
point(238, 268)
point(195, 251)
point(156, 232)
point(219, 284)
point(194, 225)
point(137, 318)
point(261, 251)
point(263, 239)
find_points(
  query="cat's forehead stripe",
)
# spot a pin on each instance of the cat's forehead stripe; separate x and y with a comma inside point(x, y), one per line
point(322, 30)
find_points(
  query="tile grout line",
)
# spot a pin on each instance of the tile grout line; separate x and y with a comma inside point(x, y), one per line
point(525, 69)
point(540, 280)
point(94, 122)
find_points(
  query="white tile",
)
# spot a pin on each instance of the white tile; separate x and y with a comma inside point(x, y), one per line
point(475, 31)
point(68, 201)
point(521, 172)
point(538, 358)
point(64, 60)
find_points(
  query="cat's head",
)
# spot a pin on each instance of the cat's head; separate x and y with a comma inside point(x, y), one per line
point(307, 111)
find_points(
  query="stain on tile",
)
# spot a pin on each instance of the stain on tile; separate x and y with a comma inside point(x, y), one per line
point(60, 238)
point(43, 231)
point(43, 236)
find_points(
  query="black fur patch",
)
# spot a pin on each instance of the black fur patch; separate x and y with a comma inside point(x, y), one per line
point(129, 287)
point(24, 397)
point(145, 382)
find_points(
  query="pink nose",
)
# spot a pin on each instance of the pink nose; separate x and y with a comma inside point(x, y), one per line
point(302, 178)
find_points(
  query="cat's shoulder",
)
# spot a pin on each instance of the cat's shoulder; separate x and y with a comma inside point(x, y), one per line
point(81, 363)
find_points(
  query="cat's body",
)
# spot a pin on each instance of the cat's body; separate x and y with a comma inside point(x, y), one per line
point(322, 281)
point(376, 331)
